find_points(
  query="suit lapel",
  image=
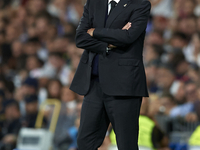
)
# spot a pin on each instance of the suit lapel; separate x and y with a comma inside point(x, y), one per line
point(121, 6)
point(101, 12)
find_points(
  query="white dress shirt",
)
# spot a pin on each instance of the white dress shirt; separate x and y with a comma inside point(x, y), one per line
point(109, 5)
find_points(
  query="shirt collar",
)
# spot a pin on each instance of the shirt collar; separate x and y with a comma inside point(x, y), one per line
point(117, 1)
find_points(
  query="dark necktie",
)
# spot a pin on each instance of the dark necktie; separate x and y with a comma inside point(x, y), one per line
point(113, 4)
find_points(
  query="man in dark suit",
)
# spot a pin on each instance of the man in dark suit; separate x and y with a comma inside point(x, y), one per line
point(111, 74)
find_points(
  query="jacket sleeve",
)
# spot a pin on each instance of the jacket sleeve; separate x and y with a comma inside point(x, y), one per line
point(122, 38)
point(83, 39)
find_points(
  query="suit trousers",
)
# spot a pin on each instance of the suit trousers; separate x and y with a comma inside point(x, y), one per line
point(99, 109)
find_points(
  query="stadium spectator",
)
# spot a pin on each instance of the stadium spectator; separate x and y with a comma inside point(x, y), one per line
point(177, 89)
point(68, 97)
point(164, 77)
point(167, 103)
point(10, 125)
point(53, 88)
point(31, 106)
point(188, 107)
point(152, 52)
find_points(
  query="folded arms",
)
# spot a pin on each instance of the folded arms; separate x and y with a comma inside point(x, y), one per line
point(98, 39)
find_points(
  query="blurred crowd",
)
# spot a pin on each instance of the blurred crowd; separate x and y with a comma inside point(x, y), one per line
point(39, 57)
point(172, 59)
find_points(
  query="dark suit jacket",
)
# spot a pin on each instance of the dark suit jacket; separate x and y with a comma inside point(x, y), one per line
point(121, 72)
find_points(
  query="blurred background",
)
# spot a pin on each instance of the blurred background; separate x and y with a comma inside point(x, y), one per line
point(38, 59)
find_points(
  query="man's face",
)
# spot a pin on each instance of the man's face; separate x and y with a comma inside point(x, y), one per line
point(30, 48)
point(150, 54)
point(164, 78)
point(56, 61)
point(160, 23)
point(60, 44)
point(60, 4)
point(12, 112)
point(31, 108)
point(187, 26)
point(11, 33)
point(32, 63)
point(54, 89)
point(42, 26)
point(16, 48)
point(36, 6)
point(177, 42)
point(27, 89)
point(67, 95)
point(180, 95)
point(151, 73)
point(188, 7)
point(154, 38)
point(167, 103)
point(191, 93)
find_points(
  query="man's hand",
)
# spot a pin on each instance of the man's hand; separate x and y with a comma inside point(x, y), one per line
point(111, 46)
point(9, 138)
point(90, 31)
point(191, 117)
point(127, 26)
